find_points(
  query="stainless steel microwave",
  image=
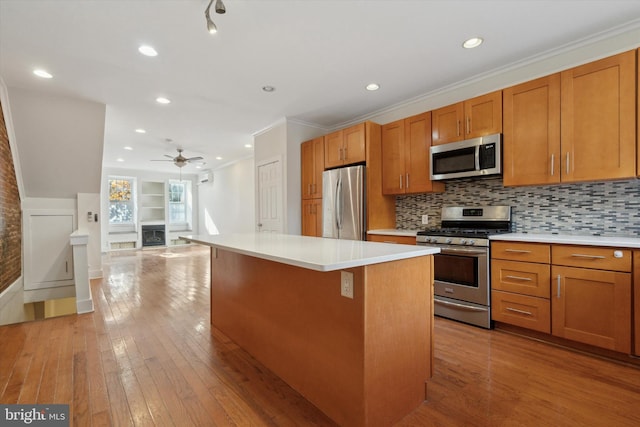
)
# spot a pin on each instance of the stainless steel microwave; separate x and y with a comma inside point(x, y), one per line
point(472, 157)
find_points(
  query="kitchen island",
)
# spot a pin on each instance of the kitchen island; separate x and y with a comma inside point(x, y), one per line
point(364, 358)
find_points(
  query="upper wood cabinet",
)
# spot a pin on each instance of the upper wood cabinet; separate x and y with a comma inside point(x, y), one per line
point(469, 119)
point(345, 147)
point(531, 137)
point(598, 126)
point(636, 299)
point(578, 125)
point(405, 156)
point(312, 166)
point(638, 137)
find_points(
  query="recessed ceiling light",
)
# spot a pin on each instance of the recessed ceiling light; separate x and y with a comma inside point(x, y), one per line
point(147, 50)
point(373, 86)
point(140, 130)
point(120, 159)
point(472, 42)
point(268, 88)
point(248, 146)
point(198, 167)
point(128, 148)
point(162, 100)
point(218, 158)
point(42, 73)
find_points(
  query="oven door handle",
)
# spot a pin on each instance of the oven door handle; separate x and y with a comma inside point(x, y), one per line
point(459, 306)
point(463, 251)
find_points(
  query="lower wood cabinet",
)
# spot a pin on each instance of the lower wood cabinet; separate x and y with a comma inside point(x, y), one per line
point(579, 293)
point(404, 240)
point(636, 303)
point(521, 310)
point(312, 217)
point(592, 307)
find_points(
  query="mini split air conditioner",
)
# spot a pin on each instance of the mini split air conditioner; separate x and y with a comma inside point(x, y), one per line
point(205, 177)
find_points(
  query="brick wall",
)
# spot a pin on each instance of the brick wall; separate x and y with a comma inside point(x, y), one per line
point(10, 214)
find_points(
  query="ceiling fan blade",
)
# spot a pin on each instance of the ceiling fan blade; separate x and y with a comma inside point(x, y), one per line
point(171, 157)
point(191, 159)
point(161, 160)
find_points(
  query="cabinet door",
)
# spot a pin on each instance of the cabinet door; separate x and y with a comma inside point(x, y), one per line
point(446, 124)
point(306, 168)
point(483, 115)
point(418, 143)
point(636, 298)
point(312, 217)
point(531, 145)
point(598, 119)
point(393, 171)
point(354, 144)
point(318, 167)
point(48, 252)
point(592, 307)
point(333, 153)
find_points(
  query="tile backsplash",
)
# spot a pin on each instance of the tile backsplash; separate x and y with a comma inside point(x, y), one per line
point(598, 208)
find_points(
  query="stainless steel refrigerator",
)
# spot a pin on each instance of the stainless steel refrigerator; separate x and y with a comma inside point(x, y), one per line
point(343, 203)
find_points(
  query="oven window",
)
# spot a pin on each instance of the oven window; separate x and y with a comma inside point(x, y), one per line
point(461, 270)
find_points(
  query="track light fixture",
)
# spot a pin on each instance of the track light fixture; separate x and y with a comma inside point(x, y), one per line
point(219, 8)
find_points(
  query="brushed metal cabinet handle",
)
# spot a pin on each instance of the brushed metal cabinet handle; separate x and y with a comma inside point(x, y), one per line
point(400, 181)
point(526, 279)
point(588, 256)
point(558, 288)
point(567, 162)
point(517, 251)
point(515, 310)
point(407, 178)
point(553, 166)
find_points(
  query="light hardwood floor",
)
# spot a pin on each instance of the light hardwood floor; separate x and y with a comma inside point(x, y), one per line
point(148, 356)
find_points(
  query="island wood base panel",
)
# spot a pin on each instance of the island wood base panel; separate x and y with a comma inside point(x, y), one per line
point(362, 361)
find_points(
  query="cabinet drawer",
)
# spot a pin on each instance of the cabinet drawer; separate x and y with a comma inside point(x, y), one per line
point(592, 257)
point(521, 310)
point(405, 240)
point(516, 251)
point(521, 277)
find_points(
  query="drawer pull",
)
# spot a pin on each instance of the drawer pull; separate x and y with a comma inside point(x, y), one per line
point(517, 251)
point(588, 256)
point(527, 279)
point(558, 287)
point(515, 310)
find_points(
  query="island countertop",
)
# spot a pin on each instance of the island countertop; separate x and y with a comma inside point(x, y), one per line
point(314, 253)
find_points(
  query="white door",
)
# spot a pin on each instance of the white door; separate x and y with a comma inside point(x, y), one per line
point(270, 197)
point(48, 252)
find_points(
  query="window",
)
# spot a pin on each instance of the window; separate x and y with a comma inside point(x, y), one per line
point(178, 203)
point(121, 201)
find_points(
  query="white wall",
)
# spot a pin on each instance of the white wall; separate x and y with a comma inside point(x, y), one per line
point(228, 204)
point(282, 140)
point(60, 142)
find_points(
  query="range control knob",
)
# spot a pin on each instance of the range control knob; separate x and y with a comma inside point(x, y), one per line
point(448, 241)
point(433, 240)
point(463, 242)
point(471, 242)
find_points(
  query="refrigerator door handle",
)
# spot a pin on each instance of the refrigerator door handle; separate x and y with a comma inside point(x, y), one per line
point(339, 207)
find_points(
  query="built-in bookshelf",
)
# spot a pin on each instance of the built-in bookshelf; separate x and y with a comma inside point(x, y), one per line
point(152, 202)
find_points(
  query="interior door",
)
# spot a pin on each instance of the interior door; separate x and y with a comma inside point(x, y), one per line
point(48, 252)
point(270, 197)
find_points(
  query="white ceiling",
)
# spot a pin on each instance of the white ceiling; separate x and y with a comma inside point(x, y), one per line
point(318, 54)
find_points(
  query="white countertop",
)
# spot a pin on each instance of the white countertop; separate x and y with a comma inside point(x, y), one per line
point(393, 232)
point(627, 242)
point(314, 253)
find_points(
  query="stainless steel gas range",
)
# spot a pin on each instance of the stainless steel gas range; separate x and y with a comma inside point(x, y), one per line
point(461, 269)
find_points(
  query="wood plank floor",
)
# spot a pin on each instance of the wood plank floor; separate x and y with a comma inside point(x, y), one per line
point(148, 356)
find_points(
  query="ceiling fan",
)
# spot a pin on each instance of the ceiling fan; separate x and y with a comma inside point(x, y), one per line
point(179, 160)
